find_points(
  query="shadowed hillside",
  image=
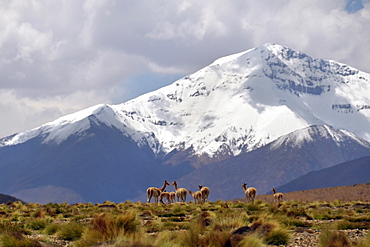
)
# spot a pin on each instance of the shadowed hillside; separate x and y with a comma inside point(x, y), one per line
point(356, 171)
point(281, 161)
point(6, 198)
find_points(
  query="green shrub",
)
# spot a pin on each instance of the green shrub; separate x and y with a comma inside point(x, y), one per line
point(239, 205)
point(364, 242)
point(36, 224)
point(365, 218)
point(127, 222)
point(297, 212)
point(12, 235)
point(191, 237)
point(251, 241)
point(329, 237)
point(108, 227)
point(346, 224)
point(51, 229)
point(253, 207)
point(70, 231)
point(7, 226)
point(228, 221)
point(213, 238)
point(292, 222)
point(278, 236)
point(263, 227)
point(173, 214)
point(17, 240)
point(326, 214)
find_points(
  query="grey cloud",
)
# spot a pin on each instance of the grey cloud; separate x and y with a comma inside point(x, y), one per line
point(60, 49)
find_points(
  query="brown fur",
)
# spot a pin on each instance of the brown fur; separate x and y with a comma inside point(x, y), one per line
point(278, 197)
point(165, 195)
point(156, 192)
point(205, 193)
point(197, 195)
point(180, 192)
point(250, 193)
point(172, 197)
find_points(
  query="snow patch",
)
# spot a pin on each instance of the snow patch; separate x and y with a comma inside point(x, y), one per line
point(236, 104)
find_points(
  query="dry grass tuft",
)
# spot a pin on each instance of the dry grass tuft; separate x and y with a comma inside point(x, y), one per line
point(333, 238)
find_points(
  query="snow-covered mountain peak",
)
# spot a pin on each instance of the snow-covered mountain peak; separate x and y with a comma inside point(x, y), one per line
point(61, 128)
point(299, 137)
point(236, 104)
point(242, 101)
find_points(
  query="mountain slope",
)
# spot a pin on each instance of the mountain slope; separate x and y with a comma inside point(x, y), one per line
point(347, 173)
point(241, 109)
point(234, 105)
point(104, 165)
point(6, 199)
point(289, 157)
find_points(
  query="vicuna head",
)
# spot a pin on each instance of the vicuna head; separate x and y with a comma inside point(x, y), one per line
point(244, 186)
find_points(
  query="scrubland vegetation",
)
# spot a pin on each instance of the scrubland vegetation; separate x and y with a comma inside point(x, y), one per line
point(231, 223)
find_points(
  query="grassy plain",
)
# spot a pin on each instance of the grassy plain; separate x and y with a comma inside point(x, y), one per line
point(220, 223)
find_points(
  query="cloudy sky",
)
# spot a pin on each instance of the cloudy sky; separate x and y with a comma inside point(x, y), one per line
point(61, 56)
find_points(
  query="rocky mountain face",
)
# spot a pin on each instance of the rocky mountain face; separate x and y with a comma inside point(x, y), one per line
point(270, 101)
point(285, 159)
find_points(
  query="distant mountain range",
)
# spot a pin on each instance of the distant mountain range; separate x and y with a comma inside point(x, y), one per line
point(265, 116)
point(278, 161)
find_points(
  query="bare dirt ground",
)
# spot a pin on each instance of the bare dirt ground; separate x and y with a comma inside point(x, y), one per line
point(360, 192)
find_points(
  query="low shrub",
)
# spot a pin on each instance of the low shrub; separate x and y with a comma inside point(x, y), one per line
point(270, 231)
point(36, 224)
point(365, 218)
point(262, 227)
point(333, 238)
point(51, 229)
point(346, 224)
point(297, 212)
point(240, 204)
point(292, 222)
point(70, 231)
point(277, 236)
point(364, 242)
point(107, 227)
point(213, 238)
point(6, 227)
point(251, 241)
point(17, 240)
point(253, 207)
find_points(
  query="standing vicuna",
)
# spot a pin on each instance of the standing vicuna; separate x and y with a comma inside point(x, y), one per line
point(180, 192)
point(172, 197)
point(277, 196)
point(156, 192)
point(250, 193)
point(165, 195)
point(205, 192)
point(197, 195)
point(169, 196)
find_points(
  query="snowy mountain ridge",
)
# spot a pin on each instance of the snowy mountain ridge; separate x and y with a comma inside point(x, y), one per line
point(298, 137)
point(236, 104)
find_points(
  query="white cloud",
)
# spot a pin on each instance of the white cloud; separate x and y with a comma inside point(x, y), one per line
point(16, 112)
point(61, 56)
